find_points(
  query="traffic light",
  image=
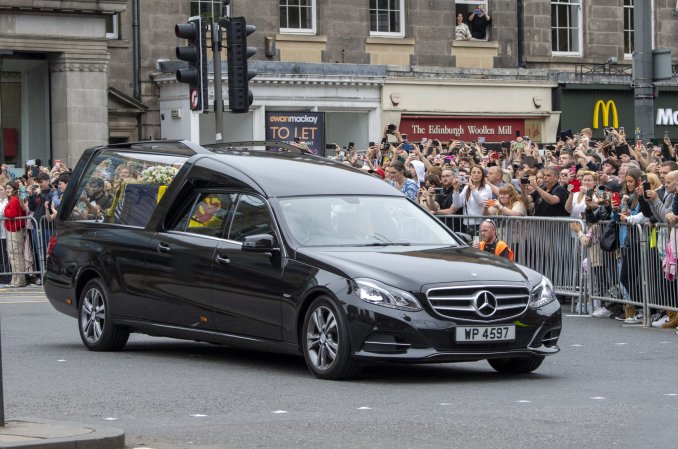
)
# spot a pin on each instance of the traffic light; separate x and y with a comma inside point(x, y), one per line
point(239, 96)
point(195, 53)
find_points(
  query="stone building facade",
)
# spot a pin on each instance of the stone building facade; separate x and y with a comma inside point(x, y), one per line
point(76, 73)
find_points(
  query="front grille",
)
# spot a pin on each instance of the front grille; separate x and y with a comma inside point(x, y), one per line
point(479, 303)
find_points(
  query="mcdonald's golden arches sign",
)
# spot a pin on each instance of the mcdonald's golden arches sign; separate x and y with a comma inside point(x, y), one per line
point(609, 110)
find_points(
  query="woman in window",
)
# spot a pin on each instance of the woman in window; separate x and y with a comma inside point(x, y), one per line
point(461, 31)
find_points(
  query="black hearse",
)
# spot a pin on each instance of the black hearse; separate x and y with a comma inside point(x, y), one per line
point(274, 249)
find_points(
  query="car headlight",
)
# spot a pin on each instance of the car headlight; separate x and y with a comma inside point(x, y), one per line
point(380, 294)
point(542, 294)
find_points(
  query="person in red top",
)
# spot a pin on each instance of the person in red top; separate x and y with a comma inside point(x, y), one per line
point(15, 229)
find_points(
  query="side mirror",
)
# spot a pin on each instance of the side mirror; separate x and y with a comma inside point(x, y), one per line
point(259, 243)
point(467, 238)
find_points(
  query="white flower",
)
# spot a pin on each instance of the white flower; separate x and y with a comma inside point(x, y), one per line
point(159, 174)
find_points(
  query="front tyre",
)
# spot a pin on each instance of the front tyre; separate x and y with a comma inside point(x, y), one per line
point(516, 365)
point(325, 341)
point(97, 330)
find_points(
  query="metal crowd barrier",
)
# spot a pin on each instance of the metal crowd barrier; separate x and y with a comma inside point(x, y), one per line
point(544, 244)
point(661, 266)
point(22, 253)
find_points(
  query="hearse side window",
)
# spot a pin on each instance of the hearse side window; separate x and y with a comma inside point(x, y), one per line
point(207, 215)
point(123, 188)
point(251, 217)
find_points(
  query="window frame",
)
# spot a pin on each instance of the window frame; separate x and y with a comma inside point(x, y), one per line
point(307, 31)
point(215, 3)
point(629, 56)
point(115, 34)
point(391, 34)
point(580, 30)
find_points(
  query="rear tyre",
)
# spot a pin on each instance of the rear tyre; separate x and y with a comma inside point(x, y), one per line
point(326, 343)
point(516, 365)
point(97, 330)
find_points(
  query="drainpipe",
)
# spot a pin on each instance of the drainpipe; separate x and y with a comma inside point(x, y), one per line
point(521, 34)
point(135, 45)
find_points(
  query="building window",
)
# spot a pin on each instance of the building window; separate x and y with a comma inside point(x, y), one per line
point(566, 27)
point(628, 27)
point(387, 18)
point(207, 9)
point(112, 26)
point(297, 16)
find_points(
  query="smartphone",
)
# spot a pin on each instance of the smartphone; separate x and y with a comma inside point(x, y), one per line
point(35, 171)
point(404, 136)
point(589, 193)
point(576, 185)
point(646, 187)
point(615, 198)
point(640, 142)
point(621, 130)
point(297, 140)
point(573, 170)
point(438, 190)
point(601, 192)
point(476, 239)
point(330, 146)
point(481, 140)
point(463, 179)
point(22, 192)
point(517, 133)
point(407, 147)
point(424, 140)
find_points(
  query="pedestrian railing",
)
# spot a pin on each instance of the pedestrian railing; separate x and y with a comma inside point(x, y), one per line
point(642, 270)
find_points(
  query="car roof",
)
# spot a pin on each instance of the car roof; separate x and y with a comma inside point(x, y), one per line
point(294, 174)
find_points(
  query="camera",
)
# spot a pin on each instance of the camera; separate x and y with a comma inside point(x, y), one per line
point(390, 129)
point(646, 187)
point(297, 140)
point(525, 180)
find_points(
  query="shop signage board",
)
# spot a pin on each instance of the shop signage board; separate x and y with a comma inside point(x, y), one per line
point(444, 128)
point(307, 127)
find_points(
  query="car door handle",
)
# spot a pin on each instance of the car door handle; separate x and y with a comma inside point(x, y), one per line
point(222, 260)
point(163, 248)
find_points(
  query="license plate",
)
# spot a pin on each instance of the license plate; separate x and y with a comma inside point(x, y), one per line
point(470, 334)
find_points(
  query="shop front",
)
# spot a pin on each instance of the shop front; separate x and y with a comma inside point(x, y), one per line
point(470, 110)
point(598, 107)
point(318, 104)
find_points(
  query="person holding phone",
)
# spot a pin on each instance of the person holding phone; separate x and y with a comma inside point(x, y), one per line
point(479, 20)
point(548, 199)
point(629, 242)
point(576, 200)
point(396, 174)
point(472, 198)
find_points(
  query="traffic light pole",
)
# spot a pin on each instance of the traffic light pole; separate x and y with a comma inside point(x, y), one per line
point(643, 87)
point(218, 95)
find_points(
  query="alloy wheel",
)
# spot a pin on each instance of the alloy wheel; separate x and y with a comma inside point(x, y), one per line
point(322, 338)
point(93, 315)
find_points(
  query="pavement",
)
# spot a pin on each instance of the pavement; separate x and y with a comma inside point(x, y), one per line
point(32, 433)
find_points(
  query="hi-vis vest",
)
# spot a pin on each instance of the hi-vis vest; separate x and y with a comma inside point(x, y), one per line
point(501, 246)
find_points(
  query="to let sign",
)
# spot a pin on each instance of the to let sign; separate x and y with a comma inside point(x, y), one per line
point(495, 129)
point(308, 127)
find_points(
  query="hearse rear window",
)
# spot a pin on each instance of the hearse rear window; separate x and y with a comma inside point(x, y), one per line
point(124, 188)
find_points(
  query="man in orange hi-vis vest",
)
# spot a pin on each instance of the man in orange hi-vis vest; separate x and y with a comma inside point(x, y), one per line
point(490, 243)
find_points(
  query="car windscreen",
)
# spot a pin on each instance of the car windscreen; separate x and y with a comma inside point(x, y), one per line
point(361, 221)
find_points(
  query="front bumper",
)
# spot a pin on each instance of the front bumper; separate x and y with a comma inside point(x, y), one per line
point(381, 334)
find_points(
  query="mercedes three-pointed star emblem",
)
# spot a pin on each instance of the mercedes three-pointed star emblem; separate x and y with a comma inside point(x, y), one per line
point(485, 303)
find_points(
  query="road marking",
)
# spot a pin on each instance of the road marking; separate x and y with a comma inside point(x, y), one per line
point(576, 346)
point(577, 315)
point(279, 411)
point(664, 342)
point(597, 398)
point(620, 344)
point(111, 419)
point(671, 394)
point(23, 302)
point(363, 408)
point(444, 403)
point(61, 360)
point(523, 401)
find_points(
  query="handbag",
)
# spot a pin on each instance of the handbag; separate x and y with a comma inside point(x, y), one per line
point(609, 239)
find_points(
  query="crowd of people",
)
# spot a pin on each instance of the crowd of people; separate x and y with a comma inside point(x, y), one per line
point(35, 194)
point(609, 184)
